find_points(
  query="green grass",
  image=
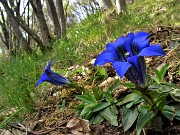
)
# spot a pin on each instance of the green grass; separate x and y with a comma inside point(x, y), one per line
point(18, 77)
point(84, 41)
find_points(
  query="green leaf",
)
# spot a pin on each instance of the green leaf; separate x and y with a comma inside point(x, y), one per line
point(129, 105)
point(170, 84)
point(109, 97)
point(168, 112)
point(141, 107)
point(165, 88)
point(175, 94)
point(128, 85)
point(98, 119)
point(88, 116)
point(87, 99)
point(117, 85)
point(110, 116)
point(160, 73)
point(88, 108)
point(79, 107)
point(114, 109)
point(136, 100)
point(143, 119)
point(146, 99)
point(128, 117)
point(177, 114)
point(161, 100)
point(114, 86)
point(128, 98)
point(158, 76)
point(97, 94)
point(163, 71)
point(5, 122)
point(101, 106)
point(177, 111)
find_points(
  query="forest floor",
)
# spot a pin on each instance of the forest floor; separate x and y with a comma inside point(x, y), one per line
point(50, 118)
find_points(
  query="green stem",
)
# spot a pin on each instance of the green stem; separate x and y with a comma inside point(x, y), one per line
point(77, 87)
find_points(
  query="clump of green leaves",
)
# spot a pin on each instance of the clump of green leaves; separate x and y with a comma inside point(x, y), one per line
point(99, 105)
point(140, 107)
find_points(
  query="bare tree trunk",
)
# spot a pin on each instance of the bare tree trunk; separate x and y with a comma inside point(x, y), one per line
point(55, 18)
point(121, 6)
point(16, 29)
point(5, 33)
point(62, 18)
point(31, 33)
point(37, 8)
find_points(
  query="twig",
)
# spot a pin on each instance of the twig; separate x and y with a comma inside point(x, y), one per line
point(144, 132)
point(40, 132)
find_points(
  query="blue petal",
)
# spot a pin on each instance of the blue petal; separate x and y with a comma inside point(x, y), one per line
point(105, 57)
point(130, 37)
point(43, 78)
point(139, 71)
point(56, 79)
point(121, 41)
point(134, 60)
point(142, 34)
point(49, 65)
point(143, 44)
point(154, 50)
point(121, 67)
point(52, 77)
point(141, 40)
point(128, 45)
point(110, 47)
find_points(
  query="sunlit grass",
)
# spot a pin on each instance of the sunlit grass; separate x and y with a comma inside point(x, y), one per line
point(18, 77)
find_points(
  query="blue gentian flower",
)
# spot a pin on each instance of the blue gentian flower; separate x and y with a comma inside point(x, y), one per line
point(126, 55)
point(52, 77)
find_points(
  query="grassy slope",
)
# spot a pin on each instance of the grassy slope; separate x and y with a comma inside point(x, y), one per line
point(83, 42)
point(91, 36)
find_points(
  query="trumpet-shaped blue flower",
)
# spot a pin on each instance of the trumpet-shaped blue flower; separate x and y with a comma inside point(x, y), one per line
point(52, 77)
point(126, 55)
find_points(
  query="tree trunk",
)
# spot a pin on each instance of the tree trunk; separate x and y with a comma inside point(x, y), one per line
point(5, 33)
point(121, 6)
point(62, 18)
point(37, 9)
point(54, 18)
point(106, 4)
point(16, 29)
point(31, 33)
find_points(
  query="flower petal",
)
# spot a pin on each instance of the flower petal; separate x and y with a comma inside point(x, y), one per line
point(55, 78)
point(128, 45)
point(121, 67)
point(52, 77)
point(130, 36)
point(120, 41)
point(49, 65)
point(141, 40)
point(138, 70)
point(134, 60)
point(142, 34)
point(154, 50)
point(105, 57)
point(110, 47)
point(143, 44)
point(43, 78)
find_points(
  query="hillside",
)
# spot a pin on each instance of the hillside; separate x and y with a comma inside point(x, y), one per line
point(48, 108)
